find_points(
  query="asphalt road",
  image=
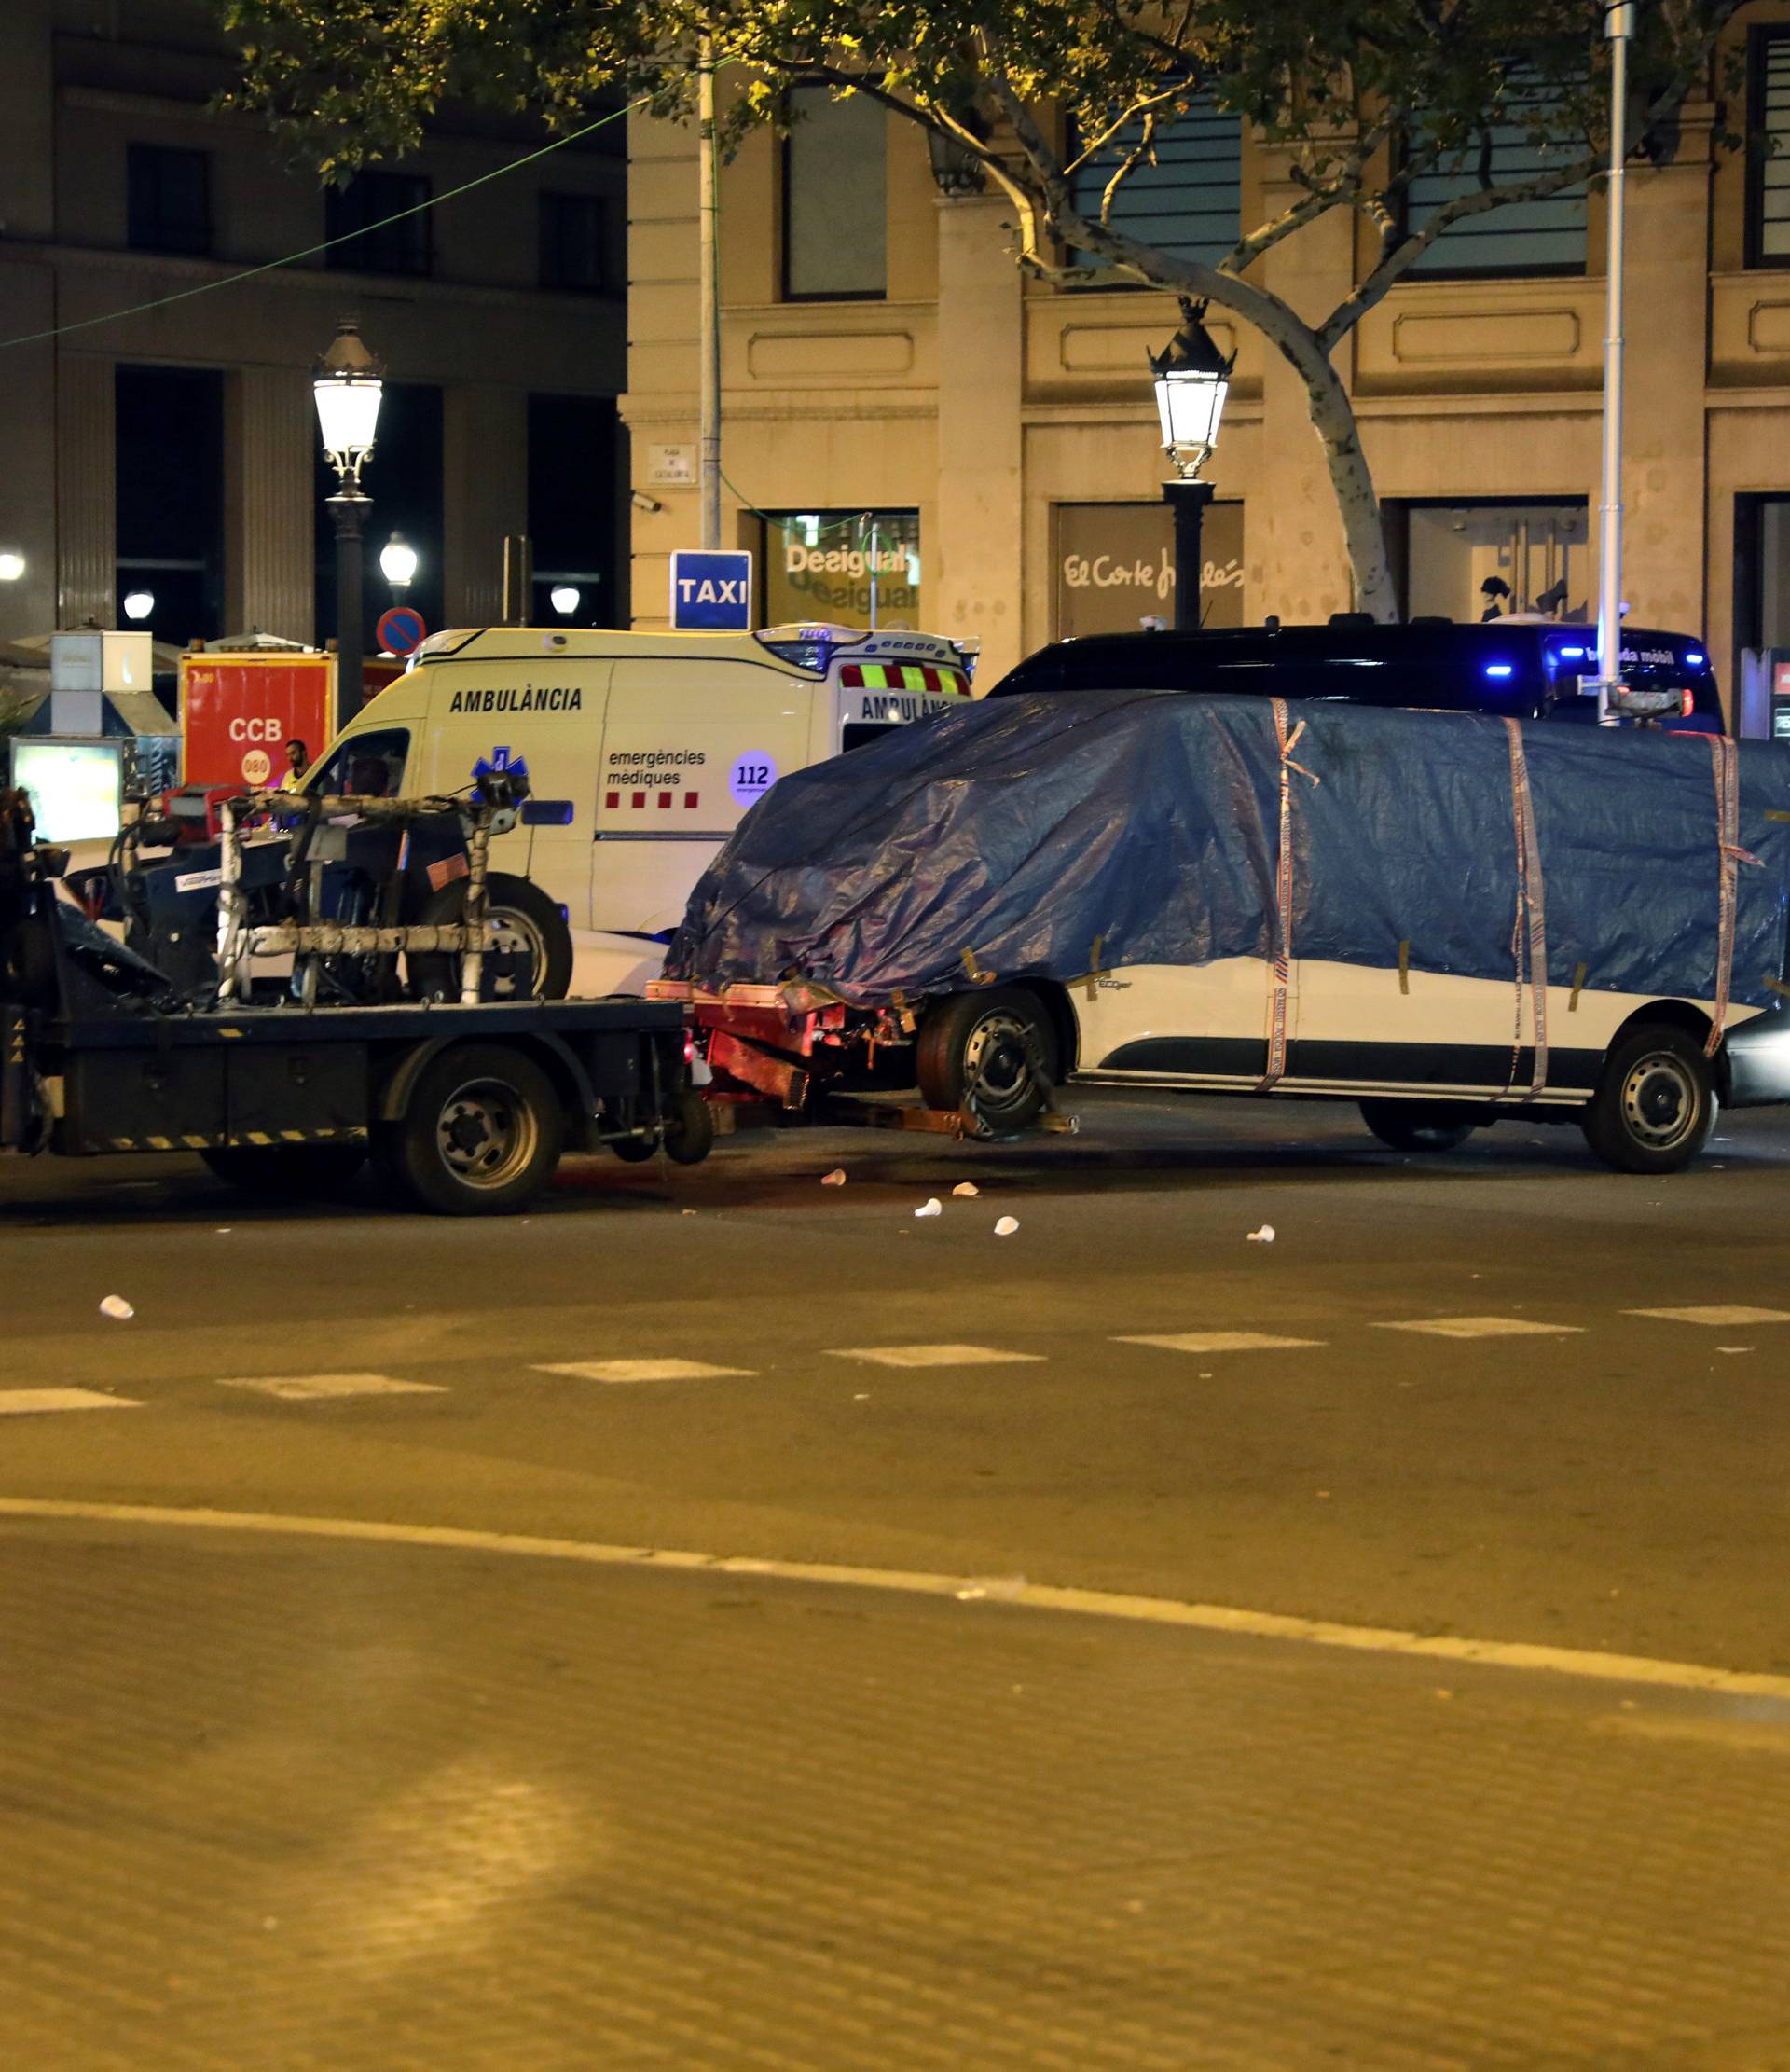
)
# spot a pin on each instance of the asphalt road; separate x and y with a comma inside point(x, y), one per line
point(346, 1727)
point(1601, 1479)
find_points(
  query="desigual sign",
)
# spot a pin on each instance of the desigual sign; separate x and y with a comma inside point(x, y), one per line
point(858, 568)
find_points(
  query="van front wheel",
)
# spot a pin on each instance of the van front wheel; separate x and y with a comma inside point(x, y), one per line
point(1655, 1103)
point(992, 1055)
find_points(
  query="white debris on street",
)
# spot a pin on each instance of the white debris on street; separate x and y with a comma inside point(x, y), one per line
point(1265, 1235)
point(966, 1190)
point(1006, 1226)
point(836, 1178)
point(115, 1305)
point(933, 1206)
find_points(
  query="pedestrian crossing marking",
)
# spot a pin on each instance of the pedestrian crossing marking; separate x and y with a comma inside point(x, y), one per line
point(643, 1370)
point(24, 1402)
point(317, 1387)
point(1483, 1327)
point(1716, 1313)
point(1216, 1341)
point(932, 1355)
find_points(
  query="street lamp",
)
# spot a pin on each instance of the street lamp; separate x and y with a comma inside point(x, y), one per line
point(1193, 377)
point(957, 172)
point(348, 387)
point(398, 562)
point(138, 604)
point(565, 599)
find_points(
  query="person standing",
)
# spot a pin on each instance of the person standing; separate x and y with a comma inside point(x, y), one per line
point(297, 763)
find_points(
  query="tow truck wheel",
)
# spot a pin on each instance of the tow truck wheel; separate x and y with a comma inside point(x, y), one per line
point(1417, 1125)
point(993, 1055)
point(293, 1170)
point(528, 953)
point(1655, 1103)
point(691, 1135)
point(480, 1137)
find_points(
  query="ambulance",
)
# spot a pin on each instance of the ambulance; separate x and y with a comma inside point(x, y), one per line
point(641, 751)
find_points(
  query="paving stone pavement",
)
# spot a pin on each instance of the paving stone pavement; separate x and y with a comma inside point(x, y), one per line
point(267, 1804)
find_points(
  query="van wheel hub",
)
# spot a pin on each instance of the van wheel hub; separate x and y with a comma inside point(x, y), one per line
point(1659, 1100)
point(997, 1067)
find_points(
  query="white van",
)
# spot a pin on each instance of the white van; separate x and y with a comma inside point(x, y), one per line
point(643, 751)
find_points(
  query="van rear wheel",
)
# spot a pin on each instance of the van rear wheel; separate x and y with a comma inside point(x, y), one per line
point(991, 1054)
point(1655, 1103)
point(1418, 1124)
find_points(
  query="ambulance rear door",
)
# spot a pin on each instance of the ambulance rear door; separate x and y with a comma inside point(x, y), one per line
point(872, 696)
point(691, 744)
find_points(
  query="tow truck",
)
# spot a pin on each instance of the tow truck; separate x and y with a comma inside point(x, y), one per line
point(463, 1104)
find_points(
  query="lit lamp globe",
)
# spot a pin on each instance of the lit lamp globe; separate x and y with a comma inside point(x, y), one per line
point(398, 562)
point(565, 599)
point(348, 388)
point(12, 566)
point(1193, 377)
point(138, 604)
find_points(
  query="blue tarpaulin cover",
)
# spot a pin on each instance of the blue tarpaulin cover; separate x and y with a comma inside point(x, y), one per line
point(1029, 831)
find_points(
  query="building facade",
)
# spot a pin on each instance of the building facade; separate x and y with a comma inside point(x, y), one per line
point(889, 378)
point(172, 452)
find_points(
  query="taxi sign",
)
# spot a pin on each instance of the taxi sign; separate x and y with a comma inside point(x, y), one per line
point(711, 592)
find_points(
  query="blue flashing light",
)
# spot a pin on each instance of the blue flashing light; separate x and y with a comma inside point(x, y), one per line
point(1693, 660)
point(1572, 654)
point(1499, 669)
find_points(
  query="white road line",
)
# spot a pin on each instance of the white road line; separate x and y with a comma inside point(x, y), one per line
point(1483, 1327)
point(24, 1403)
point(1716, 1313)
point(315, 1387)
point(1591, 1666)
point(1216, 1341)
point(642, 1370)
point(931, 1356)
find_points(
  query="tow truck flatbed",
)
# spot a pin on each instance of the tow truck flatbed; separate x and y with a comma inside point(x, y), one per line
point(465, 1107)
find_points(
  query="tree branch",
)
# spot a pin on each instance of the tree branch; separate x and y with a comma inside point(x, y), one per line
point(1397, 261)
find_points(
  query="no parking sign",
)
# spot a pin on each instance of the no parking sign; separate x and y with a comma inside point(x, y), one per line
point(401, 630)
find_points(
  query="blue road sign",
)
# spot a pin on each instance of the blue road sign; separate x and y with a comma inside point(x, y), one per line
point(401, 630)
point(712, 593)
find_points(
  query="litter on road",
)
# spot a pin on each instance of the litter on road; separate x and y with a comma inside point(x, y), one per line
point(932, 1207)
point(1265, 1235)
point(836, 1178)
point(1006, 1226)
point(115, 1305)
point(966, 1190)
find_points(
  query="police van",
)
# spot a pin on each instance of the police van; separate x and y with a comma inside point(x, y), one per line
point(641, 751)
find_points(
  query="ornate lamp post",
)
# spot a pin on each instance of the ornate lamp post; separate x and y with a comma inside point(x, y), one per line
point(1192, 377)
point(348, 387)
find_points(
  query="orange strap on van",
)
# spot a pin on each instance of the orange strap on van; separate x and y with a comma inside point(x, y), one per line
point(1726, 760)
point(1283, 896)
point(1529, 937)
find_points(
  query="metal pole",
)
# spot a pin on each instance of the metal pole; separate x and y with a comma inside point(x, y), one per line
point(1188, 499)
point(519, 579)
point(348, 509)
point(709, 298)
point(1620, 27)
